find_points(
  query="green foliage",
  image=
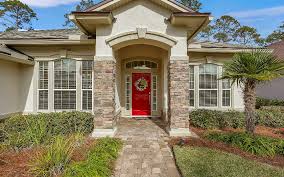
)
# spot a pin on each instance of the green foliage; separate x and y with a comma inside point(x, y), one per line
point(16, 15)
point(258, 66)
point(55, 157)
point(271, 118)
point(21, 131)
point(99, 161)
point(209, 119)
point(246, 35)
point(258, 145)
point(260, 102)
point(276, 35)
point(193, 4)
point(205, 162)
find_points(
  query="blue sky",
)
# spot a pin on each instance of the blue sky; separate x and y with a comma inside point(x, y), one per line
point(265, 15)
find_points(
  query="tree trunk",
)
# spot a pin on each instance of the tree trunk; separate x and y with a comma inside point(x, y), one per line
point(250, 99)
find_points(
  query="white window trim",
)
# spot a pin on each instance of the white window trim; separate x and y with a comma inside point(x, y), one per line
point(39, 89)
point(156, 90)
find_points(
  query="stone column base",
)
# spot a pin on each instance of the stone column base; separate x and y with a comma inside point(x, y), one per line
point(101, 133)
point(181, 132)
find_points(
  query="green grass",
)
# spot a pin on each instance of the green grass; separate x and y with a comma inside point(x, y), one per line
point(204, 162)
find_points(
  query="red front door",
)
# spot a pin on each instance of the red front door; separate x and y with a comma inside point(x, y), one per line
point(141, 94)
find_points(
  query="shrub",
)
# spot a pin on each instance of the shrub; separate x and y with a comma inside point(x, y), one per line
point(26, 130)
point(258, 145)
point(209, 119)
point(55, 157)
point(270, 118)
point(99, 161)
point(260, 102)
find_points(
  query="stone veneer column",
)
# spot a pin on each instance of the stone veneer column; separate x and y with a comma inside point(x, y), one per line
point(104, 97)
point(178, 96)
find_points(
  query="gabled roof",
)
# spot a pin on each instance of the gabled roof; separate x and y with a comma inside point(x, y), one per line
point(110, 4)
point(278, 49)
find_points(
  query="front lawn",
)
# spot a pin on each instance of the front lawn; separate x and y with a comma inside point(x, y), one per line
point(205, 162)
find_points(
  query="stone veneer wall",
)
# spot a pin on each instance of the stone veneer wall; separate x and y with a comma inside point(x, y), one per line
point(104, 94)
point(178, 94)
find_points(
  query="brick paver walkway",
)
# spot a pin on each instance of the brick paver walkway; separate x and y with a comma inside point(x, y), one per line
point(145, 151)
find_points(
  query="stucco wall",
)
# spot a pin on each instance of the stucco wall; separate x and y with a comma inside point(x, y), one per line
point(141, 13)
point(10, 87)
point(273, 89)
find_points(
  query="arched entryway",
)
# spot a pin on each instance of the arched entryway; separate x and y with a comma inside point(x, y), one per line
point(141, 81)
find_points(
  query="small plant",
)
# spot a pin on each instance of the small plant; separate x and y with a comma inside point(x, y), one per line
point(20, 131)
point(55, 158)
point(99, 161)
point(258, 145)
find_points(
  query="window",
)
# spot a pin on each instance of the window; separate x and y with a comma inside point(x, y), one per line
point(128, 92)
point(87, 85)
point(208, 85)
point(154, 102)
point(43, 85)
point(226, 93)
point(65, 84)
point(191, 86)
point(141, 65)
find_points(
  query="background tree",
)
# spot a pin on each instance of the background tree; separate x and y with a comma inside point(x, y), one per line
point(246, 35)
point(83, 5)
point(207, 33)
point(193, 4)
point(249, 69)
point(225, 28)
point(16, 15)
point(276, 35)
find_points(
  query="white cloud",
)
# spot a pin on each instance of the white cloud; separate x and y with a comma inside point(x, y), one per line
point(273, 11)
point(47, 3)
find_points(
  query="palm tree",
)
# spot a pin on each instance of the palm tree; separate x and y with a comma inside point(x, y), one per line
point(248, 69)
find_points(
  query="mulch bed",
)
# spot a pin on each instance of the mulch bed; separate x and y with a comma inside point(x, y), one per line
point(16, 164)
point(278, 160)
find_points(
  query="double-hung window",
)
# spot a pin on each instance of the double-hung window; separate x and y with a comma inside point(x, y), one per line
point(206, 90)
point(65, 84)
point(43, 85)
point(87, 85)
point(208, 85)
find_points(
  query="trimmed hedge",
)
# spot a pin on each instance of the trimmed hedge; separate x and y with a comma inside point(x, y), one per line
point(21, 131)
point(210, 119)
point(258, 145)
point(260, 102)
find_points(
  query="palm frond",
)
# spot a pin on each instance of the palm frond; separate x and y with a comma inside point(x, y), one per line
point(259, 65)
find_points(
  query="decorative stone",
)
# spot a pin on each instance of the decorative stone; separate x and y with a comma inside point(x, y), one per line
point(179, 96)
point(104, 97)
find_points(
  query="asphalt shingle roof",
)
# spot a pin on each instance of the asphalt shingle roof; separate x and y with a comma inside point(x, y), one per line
point(40, 34)
point(278, 49)
point(209, 44)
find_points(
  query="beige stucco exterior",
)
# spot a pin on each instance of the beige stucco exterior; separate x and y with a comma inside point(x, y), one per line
point(139, 30)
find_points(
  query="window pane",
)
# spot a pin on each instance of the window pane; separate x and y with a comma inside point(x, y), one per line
point(65, 74)
point(191, 98)
point(191, 77)
point(64, 99)
point(226, 84)
point(87, 79)
point(43, 100)
point(208, 98)
point(226, 98)
point(142, 63)
point(43, 75)
point(208, 76)
point(87, 100)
